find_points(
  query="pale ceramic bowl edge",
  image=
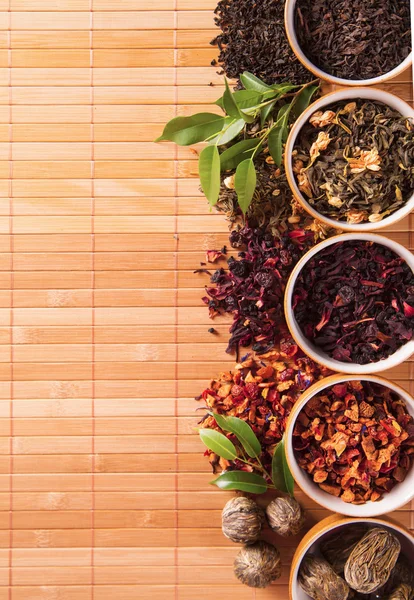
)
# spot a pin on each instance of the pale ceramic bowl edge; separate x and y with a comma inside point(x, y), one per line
point(301, 56)
point(347, 94)
point(399, 496)
point(323, 527)
point(310, 349)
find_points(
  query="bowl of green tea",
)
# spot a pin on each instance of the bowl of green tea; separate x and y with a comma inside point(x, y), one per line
point(351, 42)
point(350, 159)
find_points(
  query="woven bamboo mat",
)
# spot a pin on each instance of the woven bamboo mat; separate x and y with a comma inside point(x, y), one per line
point(103, 340)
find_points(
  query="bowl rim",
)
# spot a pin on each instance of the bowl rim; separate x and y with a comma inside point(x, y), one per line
point(354, 93)
point(289, 18)
point(306, 484)
point(399, 356)
point(329, 524)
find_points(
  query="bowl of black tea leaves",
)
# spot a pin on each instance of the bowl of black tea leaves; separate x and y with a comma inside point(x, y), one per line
point(349, 159)
point(351, 42)
point(349, 303)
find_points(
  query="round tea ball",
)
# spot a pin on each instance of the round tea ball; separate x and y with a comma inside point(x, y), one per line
point(285, 516)
point(242, 520)
point(258, 565)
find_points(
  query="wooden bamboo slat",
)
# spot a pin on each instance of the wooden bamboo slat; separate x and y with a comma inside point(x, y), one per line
point(104, 343)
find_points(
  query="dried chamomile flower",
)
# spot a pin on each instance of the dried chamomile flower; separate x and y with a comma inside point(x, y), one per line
point(337, 547)
point(285, 516)
point(242, 520)
point(402, 592)
point(258, 565)
point(318, 579)
point(371, 561)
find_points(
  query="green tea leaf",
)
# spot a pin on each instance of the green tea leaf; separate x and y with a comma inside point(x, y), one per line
point(284, 88)
point(247, 98)
point(185, 131)
point(266, 111)
point(243, 432)
point(241, 480)
point(231, 129)
point(209, 171)
point(303, 99)
point(281, 476)
point(279, 134)
point(229, 103)
point(234, 155)
point(245, 183)
point(251, 82)
point(218, 443)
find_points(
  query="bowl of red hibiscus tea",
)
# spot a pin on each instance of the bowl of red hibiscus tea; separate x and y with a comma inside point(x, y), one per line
point(350, 42)
point(350, 444)
point(349, 159)
point(349, 303)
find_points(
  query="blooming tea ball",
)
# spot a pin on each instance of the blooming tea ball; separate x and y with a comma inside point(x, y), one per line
point(258, 565)
point(317, 578)
point(402, 592)
point(242, 520)
point(285, 516)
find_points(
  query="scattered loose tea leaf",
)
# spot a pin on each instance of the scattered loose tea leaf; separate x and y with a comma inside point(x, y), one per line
point(348, 300)
point(285, 516)
point(242, 520)
point(371, 561)
point(317, 578)
point(354, 39)
point(254, 39)
point(240, 480)
point(281, 475)
point(218, 443)
point(258, 565)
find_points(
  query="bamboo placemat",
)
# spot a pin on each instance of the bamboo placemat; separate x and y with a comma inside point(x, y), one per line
point(103, 339)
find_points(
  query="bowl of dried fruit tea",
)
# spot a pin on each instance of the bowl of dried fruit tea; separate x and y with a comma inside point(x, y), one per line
point(350, 42)
point(350, 444)
point(349, 159)
point(344, 558)
point(349, 303)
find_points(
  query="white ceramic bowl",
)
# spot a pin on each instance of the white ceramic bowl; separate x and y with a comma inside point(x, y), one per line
point(348, 94)
point(401, 494)
point(312, 540)
point(294, 44)
point(311, 349)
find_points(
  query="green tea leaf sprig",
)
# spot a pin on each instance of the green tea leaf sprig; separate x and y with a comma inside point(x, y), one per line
point(272, 106)
point(257, 480)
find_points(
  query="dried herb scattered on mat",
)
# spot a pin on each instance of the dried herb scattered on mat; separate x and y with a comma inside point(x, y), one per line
point(354, 39)
point(370, 563)
point(356, 441)
point(317, 578)
point(262, 395)
point(252, 288)
point(354, 161)
point(254, 39)
point(355, 300)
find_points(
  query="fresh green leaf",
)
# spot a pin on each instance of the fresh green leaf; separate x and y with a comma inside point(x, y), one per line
point(229, 103)
point(243, 432)
point(230, 130)
point(247, 98)
point(281, 476)
point(209, 171)
point(218, 443)
point(219, 102)
point(245, 183)
point(251, 82)
point(185, 131)
point(234, 155)
point(303, 99)
point(241, 480)
point(284, 88)
point(279, 134)
point(266, 111)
